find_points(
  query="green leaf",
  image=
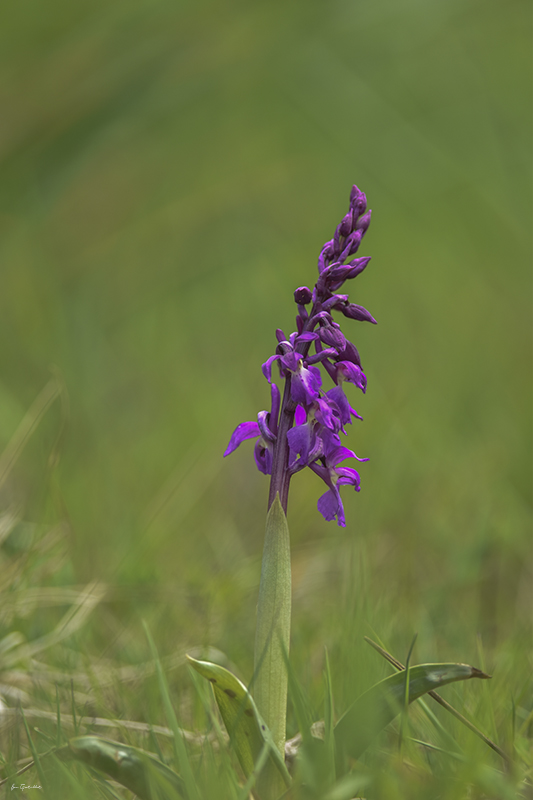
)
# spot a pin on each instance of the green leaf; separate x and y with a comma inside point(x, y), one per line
point(247, 730)
point(273, 625)
point(383, 702)
point(135, 769)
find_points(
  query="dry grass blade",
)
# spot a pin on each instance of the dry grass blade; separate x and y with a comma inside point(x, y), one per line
point(26, 428)
point(23, 602)
point(441, 701)
point(67, 721)
point(27, 766)
point(8, 520)
point(72, 621)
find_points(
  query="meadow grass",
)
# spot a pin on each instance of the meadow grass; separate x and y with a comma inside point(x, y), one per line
point(168, 175)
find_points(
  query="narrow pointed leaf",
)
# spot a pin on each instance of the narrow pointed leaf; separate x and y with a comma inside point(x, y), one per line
point(135, 769)
point(33, 751)
point(383, 702)
point(273, 625)
point(329, 712)
point(247, 730)
point(272, 636)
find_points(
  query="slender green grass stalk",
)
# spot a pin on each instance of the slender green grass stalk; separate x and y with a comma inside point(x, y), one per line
point(179, 743)
point(404, 721)
point(73, 706)
point(329, 717)
point(58, 712)
point(34, 752)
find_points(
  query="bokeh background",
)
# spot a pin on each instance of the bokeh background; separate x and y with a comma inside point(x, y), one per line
point(169, 172)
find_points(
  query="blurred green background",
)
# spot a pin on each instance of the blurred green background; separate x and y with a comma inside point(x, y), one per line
point(169, 173)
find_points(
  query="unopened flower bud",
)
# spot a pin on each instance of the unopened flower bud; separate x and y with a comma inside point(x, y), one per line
point(302, 295)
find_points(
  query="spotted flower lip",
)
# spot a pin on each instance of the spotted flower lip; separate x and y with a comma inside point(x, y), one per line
point(305, 429)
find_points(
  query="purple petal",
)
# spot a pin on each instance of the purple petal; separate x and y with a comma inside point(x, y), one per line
point(300, 442)
point(339, 398)
point(300, 415)
point(275, 398)
point(353, 311)
point(338, 454)
point(266, 433)
point(346, 224)
point(263, 457)
point(334, 300)
point(363, 222)
point(357, 266)
point(325, 256)
point(352, 373)
point(307, 337)
point(291, 361)
point(330, 506)
point(267, 367)
point(348, 477)
point(357, 201)
point(332, 336)
point(350, 353)
point(319, 357)
point(305, 385)
point(351, 245)
point(327, 413)
point(338, 274)
point(331, 439)
point(246, 430)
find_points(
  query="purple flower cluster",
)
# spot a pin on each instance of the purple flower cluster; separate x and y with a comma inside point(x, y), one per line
point(303, 429)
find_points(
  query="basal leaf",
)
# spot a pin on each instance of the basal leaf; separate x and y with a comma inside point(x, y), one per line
point(137, 770)
point(383, 702)
point(247, 730)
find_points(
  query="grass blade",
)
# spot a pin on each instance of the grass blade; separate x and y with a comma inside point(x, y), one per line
point(329, 714)
point(34, 752)
point(27, 427)
point(405, 709)
point(179, 742)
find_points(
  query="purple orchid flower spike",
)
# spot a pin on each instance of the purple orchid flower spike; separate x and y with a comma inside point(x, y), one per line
point(304, 429)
